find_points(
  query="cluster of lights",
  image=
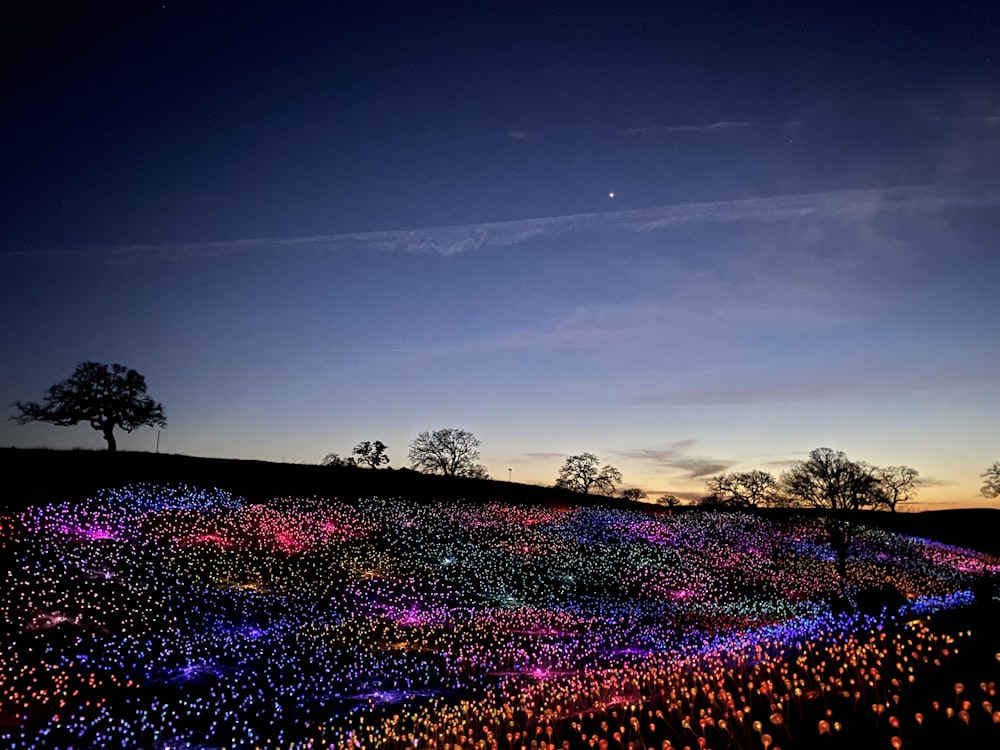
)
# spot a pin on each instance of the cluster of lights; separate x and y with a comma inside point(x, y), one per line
point(153, 616)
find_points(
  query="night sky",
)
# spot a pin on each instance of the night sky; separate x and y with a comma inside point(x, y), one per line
point(337, 222)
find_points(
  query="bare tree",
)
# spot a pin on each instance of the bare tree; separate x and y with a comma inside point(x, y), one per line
point(898, 484)
point(634, 494)
point(992, 476)
point(104, 396)
point(830, 481)
point(371, 454)
point(582, 474)
point(447, 451)
point(744, 489)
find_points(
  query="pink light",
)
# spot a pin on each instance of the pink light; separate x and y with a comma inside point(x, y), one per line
point(210, 538)
point(47, 620)
point(288, 542)
point(87, 532)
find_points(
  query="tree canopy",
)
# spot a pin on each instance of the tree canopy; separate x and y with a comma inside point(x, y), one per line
point(896, 484)
point(104, 396)
point(634, 494)
point(829, 480)
point(447, 451)
point(743, 489)
point(335, 459)
point(991, 488)
point(668, 500)
point(371, 454)
point(583, 473)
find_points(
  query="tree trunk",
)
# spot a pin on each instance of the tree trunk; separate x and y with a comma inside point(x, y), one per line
point(842, 565)
point(838, 533)
point(109, 435)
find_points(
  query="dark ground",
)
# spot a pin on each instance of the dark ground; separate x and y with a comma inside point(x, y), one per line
point(41, 475)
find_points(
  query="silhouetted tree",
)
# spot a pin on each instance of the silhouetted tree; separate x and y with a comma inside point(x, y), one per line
point(448, 451)
point(582, 474)
point(670, 501)
point(634, 494)
point(744, 489)
point(897, 484)
point(992, 476)
point(831, 482)
point(104, 396)
point(335, 459)
point(372, 454)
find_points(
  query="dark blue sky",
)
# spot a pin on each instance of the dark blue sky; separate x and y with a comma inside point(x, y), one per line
point(341, 221)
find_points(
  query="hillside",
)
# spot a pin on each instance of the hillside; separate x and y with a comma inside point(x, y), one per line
point(257, 615)
point(69, 474)
point(40, 475)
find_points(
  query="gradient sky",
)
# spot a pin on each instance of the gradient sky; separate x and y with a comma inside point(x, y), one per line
point(345, 221)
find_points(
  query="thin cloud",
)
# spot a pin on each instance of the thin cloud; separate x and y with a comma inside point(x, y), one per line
point(782, 463)
point(536, 456)
point(517, 135)
point(710, 127)
point(454, 240)
point(675, 456)
point(989, 120)
point(936, 482)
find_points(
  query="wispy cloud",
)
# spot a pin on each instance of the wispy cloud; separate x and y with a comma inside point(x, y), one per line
point(532, 456)
point(709, 127)
point(936, 482)
point(782, 463)
point(675, 456)
point(988, 120)
point(453, 240)
point(517, 135)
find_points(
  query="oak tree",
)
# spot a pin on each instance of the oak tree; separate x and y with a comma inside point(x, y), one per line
point(372, 454)
point(106, 397)
point(829, 481)
point(744, 489)
point(992, 476)
point(634, 494)
point(448, 451)
point(897, 484)
point(583, 473)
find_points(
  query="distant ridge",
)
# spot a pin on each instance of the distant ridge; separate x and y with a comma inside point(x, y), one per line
point(38, 475)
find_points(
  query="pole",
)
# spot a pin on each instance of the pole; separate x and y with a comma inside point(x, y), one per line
point(158, 441)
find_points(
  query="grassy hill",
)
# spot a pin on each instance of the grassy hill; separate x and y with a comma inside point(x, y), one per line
point(41, 475)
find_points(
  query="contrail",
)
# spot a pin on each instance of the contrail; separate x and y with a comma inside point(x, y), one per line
point(453, 240)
